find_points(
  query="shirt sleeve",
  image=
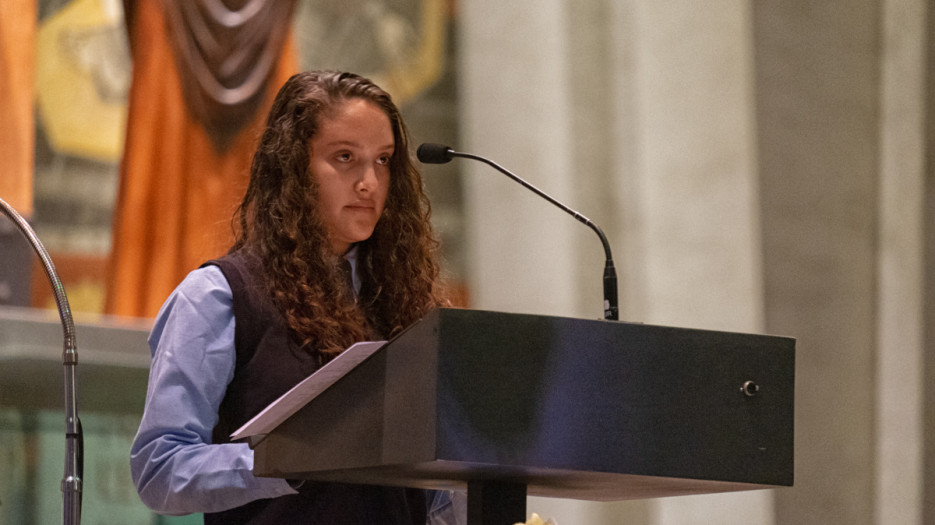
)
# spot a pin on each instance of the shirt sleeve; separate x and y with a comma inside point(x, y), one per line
point(176, 468)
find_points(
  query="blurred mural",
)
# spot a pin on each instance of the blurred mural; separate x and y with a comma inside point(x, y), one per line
point(130, 179)
point(202, 83)
point(82, 79)
point(124, 245)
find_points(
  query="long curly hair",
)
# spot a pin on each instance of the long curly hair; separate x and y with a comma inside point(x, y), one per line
point(280, 227)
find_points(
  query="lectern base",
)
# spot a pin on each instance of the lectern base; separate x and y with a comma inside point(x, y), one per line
point(496, 503)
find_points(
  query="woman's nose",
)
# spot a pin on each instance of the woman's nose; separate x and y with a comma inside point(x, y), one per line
point(368, 179)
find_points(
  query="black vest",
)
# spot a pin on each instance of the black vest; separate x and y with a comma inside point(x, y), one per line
point(268, 364)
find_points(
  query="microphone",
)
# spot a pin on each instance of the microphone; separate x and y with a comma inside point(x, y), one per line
point(74, 438)
point(429, 153)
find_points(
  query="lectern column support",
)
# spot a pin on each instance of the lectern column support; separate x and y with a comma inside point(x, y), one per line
point(496, 503)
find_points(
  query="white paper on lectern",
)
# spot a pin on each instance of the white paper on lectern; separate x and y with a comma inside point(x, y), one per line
point(309, 388)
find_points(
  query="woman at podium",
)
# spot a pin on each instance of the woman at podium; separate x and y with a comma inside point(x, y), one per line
point(333, 246)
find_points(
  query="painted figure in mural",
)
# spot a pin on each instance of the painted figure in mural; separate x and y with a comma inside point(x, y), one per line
point(334, 246)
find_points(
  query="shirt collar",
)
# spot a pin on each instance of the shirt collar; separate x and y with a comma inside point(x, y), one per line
point(351, 257)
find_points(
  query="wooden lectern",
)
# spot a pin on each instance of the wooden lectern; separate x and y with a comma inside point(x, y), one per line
point(507, 405)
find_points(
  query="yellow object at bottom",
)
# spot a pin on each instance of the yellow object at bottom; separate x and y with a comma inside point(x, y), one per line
point(536, 520)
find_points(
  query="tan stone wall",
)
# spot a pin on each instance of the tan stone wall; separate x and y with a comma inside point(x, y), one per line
point(757, 166)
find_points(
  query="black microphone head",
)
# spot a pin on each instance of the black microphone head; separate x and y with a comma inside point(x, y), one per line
point(429, 153)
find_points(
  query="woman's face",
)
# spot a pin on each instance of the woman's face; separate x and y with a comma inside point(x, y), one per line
point(350, 161)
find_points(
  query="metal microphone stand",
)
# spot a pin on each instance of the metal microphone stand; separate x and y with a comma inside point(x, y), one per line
point(611, 308)
point(74, 441)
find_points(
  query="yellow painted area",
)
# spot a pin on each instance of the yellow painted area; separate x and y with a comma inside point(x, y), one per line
point(406, 79)
point(85, 296)
point(79, 80)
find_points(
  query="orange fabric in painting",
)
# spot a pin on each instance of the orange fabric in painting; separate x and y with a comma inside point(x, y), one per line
point(177, 193)
point(17, 64)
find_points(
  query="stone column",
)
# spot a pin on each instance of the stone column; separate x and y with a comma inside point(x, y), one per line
point(516, 100)
point(818, 122)
point(900, 273)
point(515, 109)
point(642, 112)
point(690, 188)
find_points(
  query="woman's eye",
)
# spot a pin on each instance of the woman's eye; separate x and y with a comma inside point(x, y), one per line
point(343, 157)
point(384, 160)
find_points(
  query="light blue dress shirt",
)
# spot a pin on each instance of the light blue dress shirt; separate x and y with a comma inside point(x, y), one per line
point(176, 468)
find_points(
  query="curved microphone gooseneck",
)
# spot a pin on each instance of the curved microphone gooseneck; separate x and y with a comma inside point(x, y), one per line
point(429, 153)
point(74, 440)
